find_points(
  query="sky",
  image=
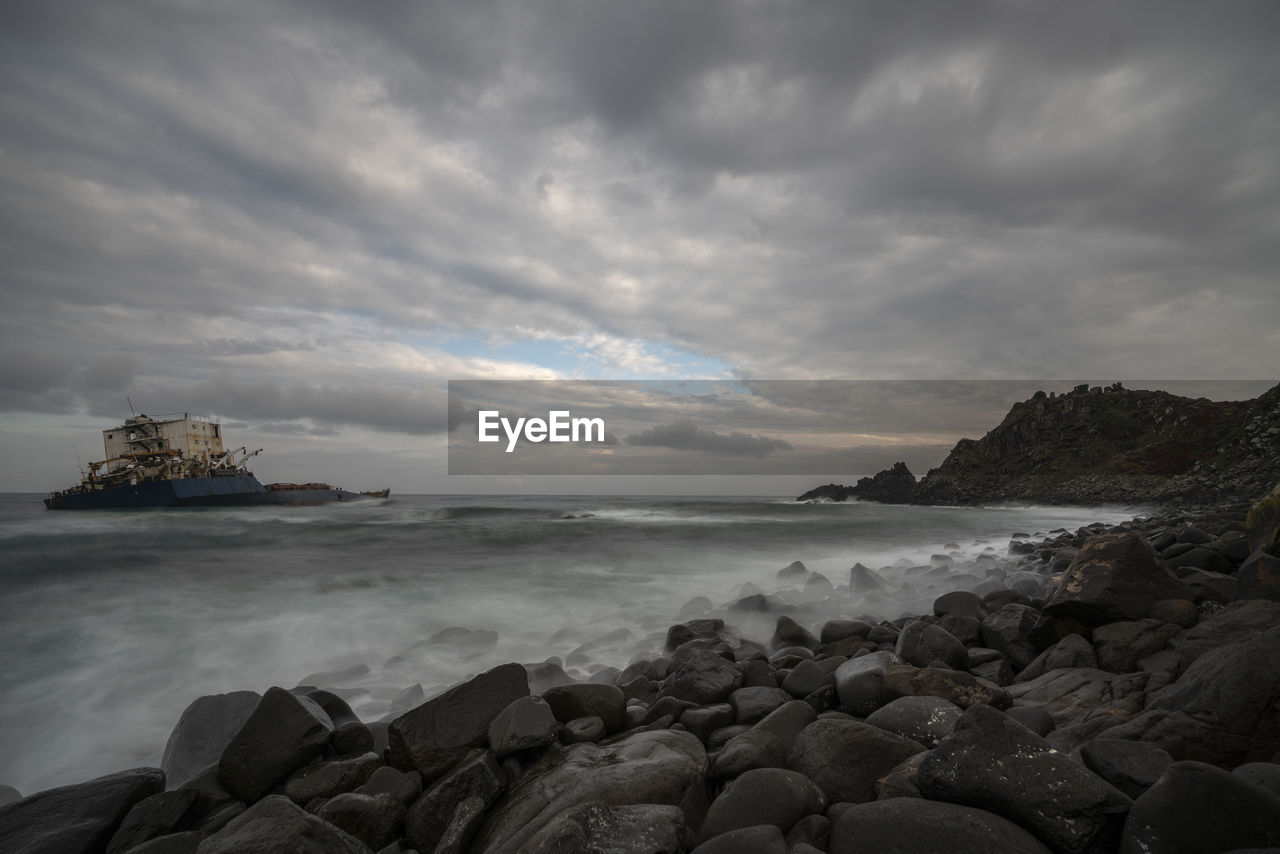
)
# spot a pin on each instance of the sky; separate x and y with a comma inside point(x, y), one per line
point(306, 218)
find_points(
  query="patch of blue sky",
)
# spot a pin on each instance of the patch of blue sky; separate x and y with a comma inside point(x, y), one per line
point(587, 357)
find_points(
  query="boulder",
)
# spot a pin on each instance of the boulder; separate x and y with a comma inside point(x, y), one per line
point(860, 682)
point(910, 826)
point(526, 723)
point(330, 777)
point(763, 796)
point(1130, 766)
point(274, 825)
point(1007, 630)
point(965, 628)
point(283, 733)
point(1082, 697)
point(569, 702)
point(1072, 651)
point(1116, 577)
point(838, 630)
point(1224, 710)
point(704, 720)
point(203, 732)
point(963, 689)
point(994, 763)
point(1207, 559)
point(1236, 622)
point(845, 758)
point(1195, 808)
point(81, 817)
point(959, 602)
point(922, 643)
point(1121, 646)
point(350, 734)
point(435, 735)
point(1263, 524)
point(376, 820)
point(767, 744)
point(663, 767)
point(1259, 577)
point(926, 720)
point(451, 803)
point(703, 677)
point(788, 632)
point(864, 580)
point(599, 827)
point(757, 839)
point(751, 705)
point(806, 678)
point(158, 815)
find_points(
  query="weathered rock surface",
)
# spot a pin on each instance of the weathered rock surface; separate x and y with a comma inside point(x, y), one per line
point(1224, 710)
point(525, 723)
point(994, 763)
point(911, 826)
point(435, 735)
point(763, 796)
point(655, 767)
point(921, 644)
point(959, 687)
point(1116, 577)
point(1195, 808)
point(768, 743)
point(450, 802)
point(1130, 766)
point(606, 702)
point(274, 825)
point(926, 720)
point(158, 815)
point(82, 817)
point(845, 757)
point(599, 827)
point(703, 677)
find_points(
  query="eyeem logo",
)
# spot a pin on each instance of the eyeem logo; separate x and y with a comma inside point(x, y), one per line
point(559, 426)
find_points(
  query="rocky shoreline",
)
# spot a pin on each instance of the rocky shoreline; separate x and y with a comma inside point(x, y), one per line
point(1113, 688)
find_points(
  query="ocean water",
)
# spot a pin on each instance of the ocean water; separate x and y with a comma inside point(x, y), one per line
point(112, 622)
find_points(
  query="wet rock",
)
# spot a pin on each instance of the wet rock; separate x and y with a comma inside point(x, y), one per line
point(283, 733)
point(1033, 718)
point(901, 781)
point(1180, 612)
point(1264, 774)
point(376, 820)
point(864, 580)
point(961, 688)
point(275, 824)
point(183, 842)
point(994, 763)
point(1007, 630)
point(662, 767)
point(795, 571)
point(435, 735)
point(569, 702)
point(350, 734)
point(1224, 710)
point(767, 744)
point(1259, 577)
point(526, 723)
point(926, 720)
point(331, 777)
point(1121, 646)
point(1130, 766)
point(860, 682)
point(759, 839)
point(203, 732)
point(845, 757)
point(704, 677)
point(921, 643)
point(9, 795)
point(451, 802)
point(812, 831)
point(1195, 808)
point(1236, 622)
point(704, 629)
point(762, 796)
point(1210, 560)
point(599, 827)
point(1076, 696)
point(909, 826)
point(542, 675)
point(704, 720)
point(81, 817)
point(1116, 577)
point(965, 628)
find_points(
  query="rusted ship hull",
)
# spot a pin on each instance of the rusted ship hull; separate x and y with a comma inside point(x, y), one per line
point(224, 491)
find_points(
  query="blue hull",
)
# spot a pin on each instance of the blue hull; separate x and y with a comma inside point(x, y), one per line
point(230, 491)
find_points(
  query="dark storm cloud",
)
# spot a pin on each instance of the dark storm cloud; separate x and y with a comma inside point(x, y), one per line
point(276, 204)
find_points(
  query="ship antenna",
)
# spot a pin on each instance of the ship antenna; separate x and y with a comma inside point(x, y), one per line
point(130, 402)
point(79, 463)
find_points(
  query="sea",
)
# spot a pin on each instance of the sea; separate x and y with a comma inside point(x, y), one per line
point(112, 622)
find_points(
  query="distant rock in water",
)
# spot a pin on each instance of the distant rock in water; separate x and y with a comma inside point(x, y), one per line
point(1098, 445)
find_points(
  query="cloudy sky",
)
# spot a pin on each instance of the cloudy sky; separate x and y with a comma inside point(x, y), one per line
point(306, 217)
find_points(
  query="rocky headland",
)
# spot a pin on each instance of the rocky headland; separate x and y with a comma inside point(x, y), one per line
point(1097, 690)
point(1098, 445)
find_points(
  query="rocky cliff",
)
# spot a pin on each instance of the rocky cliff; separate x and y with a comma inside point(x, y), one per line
point(1097, 445)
